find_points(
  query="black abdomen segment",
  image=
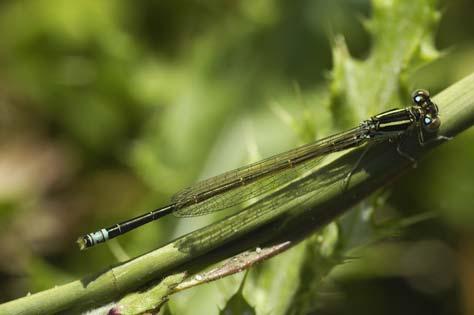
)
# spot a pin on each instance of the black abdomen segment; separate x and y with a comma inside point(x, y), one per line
point(394, 121)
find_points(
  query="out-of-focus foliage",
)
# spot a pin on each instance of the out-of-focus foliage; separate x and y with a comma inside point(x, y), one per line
point(109, 107)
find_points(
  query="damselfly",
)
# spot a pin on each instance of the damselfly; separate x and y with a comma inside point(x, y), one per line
point(237, 186)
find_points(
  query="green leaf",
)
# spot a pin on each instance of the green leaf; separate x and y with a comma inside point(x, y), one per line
point(271, 287)
point(237, 304)
point(402, 33)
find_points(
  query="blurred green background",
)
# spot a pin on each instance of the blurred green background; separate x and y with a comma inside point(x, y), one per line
point(107, 108)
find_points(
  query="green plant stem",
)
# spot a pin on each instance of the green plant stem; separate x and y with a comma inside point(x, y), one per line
point(259, 224)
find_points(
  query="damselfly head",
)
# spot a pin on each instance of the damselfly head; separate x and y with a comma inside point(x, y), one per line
point(421, 98)
point(427, 109)
point(430, 122)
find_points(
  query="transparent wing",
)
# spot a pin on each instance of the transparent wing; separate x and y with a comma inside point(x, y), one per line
point(239, 185)
point(244, 193)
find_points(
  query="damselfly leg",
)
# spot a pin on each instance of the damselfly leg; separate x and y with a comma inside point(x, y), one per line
point(347, 178)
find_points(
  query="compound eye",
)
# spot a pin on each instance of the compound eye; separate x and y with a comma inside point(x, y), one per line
point(430, 123)
point(421, 97)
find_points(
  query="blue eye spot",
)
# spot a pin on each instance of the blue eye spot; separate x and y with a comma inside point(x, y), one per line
point(427, 120)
